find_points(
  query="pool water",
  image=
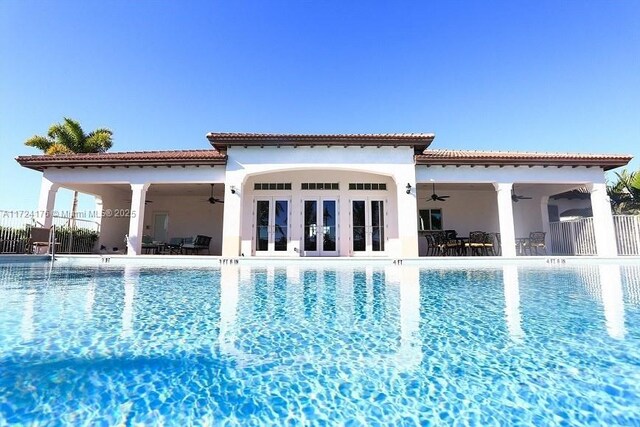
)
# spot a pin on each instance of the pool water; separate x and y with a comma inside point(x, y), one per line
point(399, 345)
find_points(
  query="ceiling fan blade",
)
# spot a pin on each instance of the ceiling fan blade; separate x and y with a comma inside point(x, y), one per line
point(444, 197)
point(525, 198)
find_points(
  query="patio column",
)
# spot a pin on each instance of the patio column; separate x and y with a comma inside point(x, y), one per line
point(407, 213)
point(505, 217)
point(603, 227)
point(46, 202)
point(136, 219)
point(231, 221)
point(544, 211)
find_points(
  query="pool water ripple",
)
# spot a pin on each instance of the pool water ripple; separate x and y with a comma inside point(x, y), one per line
point(294, 345)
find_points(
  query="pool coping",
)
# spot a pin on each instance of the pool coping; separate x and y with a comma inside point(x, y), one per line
point(214, 261)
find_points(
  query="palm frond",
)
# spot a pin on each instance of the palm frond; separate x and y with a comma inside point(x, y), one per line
point(61, 135)
point(635, 182)
point(58, 149)
point(40, 142)
point(74, 130)
point(98, 141)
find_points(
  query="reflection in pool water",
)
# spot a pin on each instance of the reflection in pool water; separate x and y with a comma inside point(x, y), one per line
point(398, 344)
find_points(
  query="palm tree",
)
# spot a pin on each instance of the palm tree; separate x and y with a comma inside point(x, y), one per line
point(68, 138)
point(625, 193)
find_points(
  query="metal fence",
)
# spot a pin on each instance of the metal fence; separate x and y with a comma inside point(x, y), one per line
point(574, 237)
point(14, 232)
point(627, 234)
point(78, 236)
point(577, 237)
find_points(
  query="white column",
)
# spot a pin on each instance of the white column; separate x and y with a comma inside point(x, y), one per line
point(136, 219)
point(603, 221)
point(612, 300)
point(232, 219)
point(512, 302)
point(544, 211)
point(505, 216)
point(46, 201)
point(406, 213)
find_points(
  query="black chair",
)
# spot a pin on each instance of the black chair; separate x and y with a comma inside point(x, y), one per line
point(476, 244)
point(200, 243)
point(490, 243)
point(432, 245)
point(452, 243)
point(175, 245)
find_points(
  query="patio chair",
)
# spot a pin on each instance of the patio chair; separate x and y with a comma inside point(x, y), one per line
point(476, 244)
point(200, 243)
point(452, 243)
point(174, 247)
point(432, 244)
point(147, 245)
point(535, 242)
point(490, 240)
point(39, 237)
point(498, 247)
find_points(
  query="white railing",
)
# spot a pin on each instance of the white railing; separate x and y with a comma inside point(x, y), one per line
point(577, 237)
point(574, 237)
point(627, 234)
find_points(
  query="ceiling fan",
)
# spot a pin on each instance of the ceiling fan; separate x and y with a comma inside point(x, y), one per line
point(437, 198)
point(515, 198)
point(214, 200)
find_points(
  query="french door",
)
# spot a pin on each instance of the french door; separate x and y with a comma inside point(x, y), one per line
point(320, 222)
point(368, 232)
point(271, 219)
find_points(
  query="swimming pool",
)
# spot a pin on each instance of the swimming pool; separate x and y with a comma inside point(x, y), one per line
point(360, 345)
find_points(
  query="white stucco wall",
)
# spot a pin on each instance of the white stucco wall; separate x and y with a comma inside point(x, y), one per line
point(188, 216)
point(329, 164)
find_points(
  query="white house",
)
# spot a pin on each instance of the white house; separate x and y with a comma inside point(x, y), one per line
point(326, 195)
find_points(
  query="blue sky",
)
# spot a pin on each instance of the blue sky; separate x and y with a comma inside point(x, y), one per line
point(513, 75)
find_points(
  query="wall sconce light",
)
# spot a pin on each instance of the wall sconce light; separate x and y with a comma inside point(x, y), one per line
point(234, 190)
point(408, 188)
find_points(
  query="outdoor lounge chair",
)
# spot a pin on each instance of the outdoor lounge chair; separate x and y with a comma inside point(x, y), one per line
point(200, 243)
point(39, 237)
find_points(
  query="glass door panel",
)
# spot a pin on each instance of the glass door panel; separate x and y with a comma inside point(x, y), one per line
point(358, 224)
point(281, 225)
point(377, 225)
point(262, 225)
point(310, 225)
point(329, 226)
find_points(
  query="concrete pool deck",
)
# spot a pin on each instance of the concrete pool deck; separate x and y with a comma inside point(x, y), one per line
point(206, 260)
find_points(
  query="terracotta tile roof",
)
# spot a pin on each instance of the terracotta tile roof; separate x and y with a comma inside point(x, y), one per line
point(221, 140)
point(125, 158)
point(520, 158)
